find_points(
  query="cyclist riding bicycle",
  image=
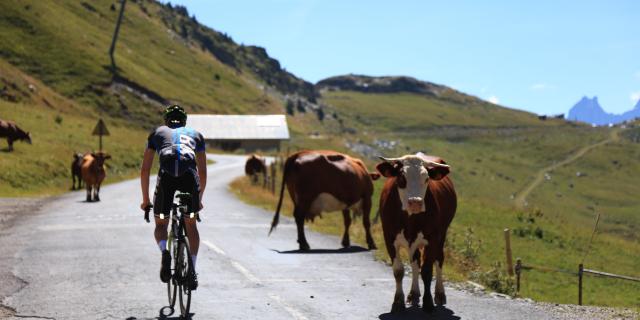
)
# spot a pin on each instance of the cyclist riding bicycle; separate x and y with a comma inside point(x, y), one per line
point(183, 167)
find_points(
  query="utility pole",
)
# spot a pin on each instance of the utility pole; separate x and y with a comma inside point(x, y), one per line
point(115, 37)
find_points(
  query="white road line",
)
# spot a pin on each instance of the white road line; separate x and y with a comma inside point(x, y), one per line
point(251, 277)
point(214, 248)
point(246, 273)
point(293, 312)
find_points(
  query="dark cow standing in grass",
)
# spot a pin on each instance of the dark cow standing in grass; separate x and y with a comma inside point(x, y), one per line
point(417, 204)
point(76, 171)
point(93, 173)
point(256, 164)
point(326, 181)
point(9, 130)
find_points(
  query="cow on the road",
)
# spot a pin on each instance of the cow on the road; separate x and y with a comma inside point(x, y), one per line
point(326, 181)
point(417, 204)
point(76, 171)
point(256, 165)
point(11, 131)
point(93, 173)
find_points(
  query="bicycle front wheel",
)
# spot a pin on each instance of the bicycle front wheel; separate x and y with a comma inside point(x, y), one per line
point(172, 285)
point(184, 270)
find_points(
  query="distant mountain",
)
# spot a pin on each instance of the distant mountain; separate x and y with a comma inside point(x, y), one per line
point(589, 111)
point(364, 83)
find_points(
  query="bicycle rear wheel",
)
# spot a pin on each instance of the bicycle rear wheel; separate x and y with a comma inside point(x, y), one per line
point(185, 267)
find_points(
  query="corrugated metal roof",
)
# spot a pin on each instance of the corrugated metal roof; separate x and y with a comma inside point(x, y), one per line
point(232, 127)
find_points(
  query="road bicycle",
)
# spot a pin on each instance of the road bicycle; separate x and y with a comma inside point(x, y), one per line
point(182, 270)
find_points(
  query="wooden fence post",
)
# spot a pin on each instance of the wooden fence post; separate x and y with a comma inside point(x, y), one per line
point(507, 242)
point(518, 271)
point(580, 271)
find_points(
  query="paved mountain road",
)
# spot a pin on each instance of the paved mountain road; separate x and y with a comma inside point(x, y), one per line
point(80, 260)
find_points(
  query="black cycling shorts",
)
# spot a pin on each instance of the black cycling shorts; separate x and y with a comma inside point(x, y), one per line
point(166, 187)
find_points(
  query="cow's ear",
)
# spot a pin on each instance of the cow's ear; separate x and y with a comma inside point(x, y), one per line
point(387, 169)
point(93, 154)
point(437, 173)
point(374, 176)
point(107, 156)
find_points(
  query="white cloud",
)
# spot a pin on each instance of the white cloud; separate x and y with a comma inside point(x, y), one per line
point(494, 100)
point(541, 86)
point(634, 96)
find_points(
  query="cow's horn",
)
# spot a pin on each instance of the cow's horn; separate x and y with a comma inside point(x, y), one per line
point(435, 164)
point(389, 159)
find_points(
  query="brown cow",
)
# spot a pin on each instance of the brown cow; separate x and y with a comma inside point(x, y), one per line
point(256, 164)
point(76, 172)
point(417, 204)
point(325, 181)
point(93, 173)
point(9, 130)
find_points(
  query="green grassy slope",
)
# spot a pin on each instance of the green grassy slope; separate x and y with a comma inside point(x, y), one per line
point(495, 153)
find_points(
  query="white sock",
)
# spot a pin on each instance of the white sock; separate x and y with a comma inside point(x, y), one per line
point(162, 244)
point(193, 259)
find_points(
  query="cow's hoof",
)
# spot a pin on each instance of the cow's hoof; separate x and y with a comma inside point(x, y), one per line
point(346, 243)
point(97, 199)
point(413, 299)
point(397, 307)
point(372, 246)
point(88, 199)
point(440, 299)
point(304, 246)
point(427, 305)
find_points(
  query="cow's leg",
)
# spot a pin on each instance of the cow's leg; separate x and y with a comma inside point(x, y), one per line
point(414, 294)
point(427, 273)
point(89, 192)
point(79, 182)
point(347, 222)
point(73, 181)
point(440, 298)
point(97, 196)
point(398, 274)
point(302, 240)
point(366, 210)
point(10, 142)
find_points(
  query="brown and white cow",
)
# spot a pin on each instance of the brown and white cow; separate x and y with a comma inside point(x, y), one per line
point(76, 170)
point(256, 165)
point(325, 181)
point(11, 131)
point(417, 204)
point(93, 173)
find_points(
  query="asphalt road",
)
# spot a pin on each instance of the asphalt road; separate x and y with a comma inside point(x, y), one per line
point(77, 260)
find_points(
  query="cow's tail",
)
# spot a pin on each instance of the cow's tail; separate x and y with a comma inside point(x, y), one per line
point(276, 217)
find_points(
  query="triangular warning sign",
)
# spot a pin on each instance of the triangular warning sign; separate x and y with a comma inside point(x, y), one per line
point(100, 129)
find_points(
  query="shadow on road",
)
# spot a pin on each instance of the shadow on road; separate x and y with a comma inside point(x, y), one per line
point(352, 249)
point(416, 313)
point(165, 313)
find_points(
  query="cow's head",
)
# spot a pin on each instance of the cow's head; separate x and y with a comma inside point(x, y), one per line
point(100, 157)
point(412, 173)
point(27, 137)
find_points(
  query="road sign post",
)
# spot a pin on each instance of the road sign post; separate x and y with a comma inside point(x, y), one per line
point(100, 130)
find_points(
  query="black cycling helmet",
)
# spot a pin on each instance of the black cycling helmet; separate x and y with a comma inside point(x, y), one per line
point(175, 115)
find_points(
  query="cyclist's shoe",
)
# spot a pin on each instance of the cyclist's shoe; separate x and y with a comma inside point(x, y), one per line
point(193, 281)
point(165, 270)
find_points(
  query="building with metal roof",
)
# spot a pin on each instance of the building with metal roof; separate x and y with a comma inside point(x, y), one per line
point(248, 132)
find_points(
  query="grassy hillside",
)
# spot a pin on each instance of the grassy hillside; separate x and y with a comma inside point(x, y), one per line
point(60, 50)
point(495, 153)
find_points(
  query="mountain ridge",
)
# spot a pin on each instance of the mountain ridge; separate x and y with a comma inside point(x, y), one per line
point(590, 111)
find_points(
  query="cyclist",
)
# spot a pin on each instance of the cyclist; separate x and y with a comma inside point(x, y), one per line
point(182, 168)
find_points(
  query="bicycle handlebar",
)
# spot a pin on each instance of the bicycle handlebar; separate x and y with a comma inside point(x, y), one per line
point(146, 212)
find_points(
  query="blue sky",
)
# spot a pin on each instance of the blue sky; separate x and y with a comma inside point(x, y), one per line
point(541, 56)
